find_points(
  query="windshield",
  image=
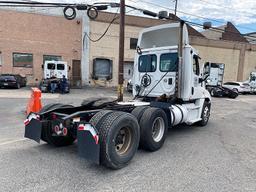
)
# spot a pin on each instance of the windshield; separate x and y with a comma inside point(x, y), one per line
point(7, 77)
point(147, 63)
point(168, 62)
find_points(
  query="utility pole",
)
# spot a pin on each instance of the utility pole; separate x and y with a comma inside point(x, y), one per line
point(176, 4)
point(121, 52)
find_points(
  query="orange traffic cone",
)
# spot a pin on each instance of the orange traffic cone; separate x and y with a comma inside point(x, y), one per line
point(34, 103)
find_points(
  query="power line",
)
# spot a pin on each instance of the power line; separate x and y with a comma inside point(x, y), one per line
point(111, 22)
point(197, 16)
point(197, 24)
point(116, 16)
point(116, 4)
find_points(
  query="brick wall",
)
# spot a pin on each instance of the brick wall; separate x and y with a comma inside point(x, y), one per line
point(39, 35)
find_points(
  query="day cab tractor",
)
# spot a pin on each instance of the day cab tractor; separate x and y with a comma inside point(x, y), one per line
point(168, 90)
point(214, 83)
point(54, 71)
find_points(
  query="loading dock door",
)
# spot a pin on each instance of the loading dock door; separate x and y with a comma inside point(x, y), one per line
point(76, 74)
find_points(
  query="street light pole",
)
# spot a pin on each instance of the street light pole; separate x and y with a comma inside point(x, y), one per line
point(121, 51)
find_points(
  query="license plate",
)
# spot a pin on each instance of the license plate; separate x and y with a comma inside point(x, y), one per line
point(6, 84)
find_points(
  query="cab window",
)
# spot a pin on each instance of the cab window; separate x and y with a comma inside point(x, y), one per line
point(169, 62)
point(147, 63)
point(196, 69)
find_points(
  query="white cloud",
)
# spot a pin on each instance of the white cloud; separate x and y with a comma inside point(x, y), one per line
point(236, 11)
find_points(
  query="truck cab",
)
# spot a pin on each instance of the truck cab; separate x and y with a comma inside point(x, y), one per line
point(158, 65)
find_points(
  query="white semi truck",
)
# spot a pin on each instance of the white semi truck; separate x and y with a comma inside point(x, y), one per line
point(168, 90)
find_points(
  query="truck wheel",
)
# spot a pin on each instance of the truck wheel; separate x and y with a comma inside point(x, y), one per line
point(154, 127)
point(99, 117)
point(46, 134)
point(205, 114)
point(119, 139)
point(138, 112)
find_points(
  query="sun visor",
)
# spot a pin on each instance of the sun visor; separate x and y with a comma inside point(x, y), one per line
point(162, 36)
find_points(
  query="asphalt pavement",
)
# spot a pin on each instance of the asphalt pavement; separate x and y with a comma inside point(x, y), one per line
point(216, 158)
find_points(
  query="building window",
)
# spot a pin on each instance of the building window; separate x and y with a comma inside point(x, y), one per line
point(51, 58)
point(102, 69)
point(23, 60)
point(133, 43)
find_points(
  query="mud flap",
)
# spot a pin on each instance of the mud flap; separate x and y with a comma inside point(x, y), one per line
point(33, 130)
point(88, 143)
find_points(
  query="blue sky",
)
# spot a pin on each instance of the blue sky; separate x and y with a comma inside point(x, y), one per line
point(242, 13)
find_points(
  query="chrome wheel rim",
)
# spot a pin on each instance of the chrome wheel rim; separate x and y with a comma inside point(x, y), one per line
point(158, 128)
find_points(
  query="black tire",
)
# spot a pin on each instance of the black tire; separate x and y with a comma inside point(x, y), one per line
point(206, 111)
point(99, 117)
point(46, 134)
point(212, 92)
point(149, 119)
point(138, 112)
point(233, 95)
point(110, 127)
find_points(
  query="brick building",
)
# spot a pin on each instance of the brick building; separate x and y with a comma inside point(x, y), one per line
point(28, 39)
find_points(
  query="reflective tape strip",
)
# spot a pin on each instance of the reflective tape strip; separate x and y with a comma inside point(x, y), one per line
point(88, 127)
point(26, 122)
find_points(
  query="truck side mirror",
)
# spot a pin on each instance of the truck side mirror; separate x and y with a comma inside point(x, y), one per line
point(42, 66)
point(69, 68)
point(204, 78)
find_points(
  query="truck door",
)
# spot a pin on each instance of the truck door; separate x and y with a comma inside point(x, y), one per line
point(196, 85)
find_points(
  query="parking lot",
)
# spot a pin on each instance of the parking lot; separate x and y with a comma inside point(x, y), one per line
point(218, 157)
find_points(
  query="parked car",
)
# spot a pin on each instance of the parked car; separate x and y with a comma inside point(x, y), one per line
point(219, 91)
point(12, 81)
point(239, 87)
